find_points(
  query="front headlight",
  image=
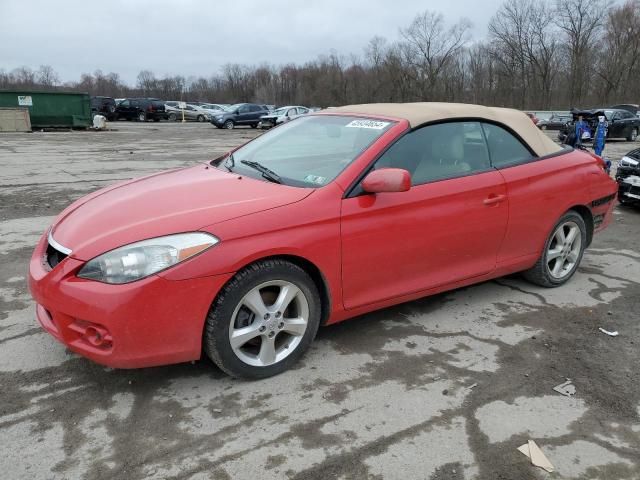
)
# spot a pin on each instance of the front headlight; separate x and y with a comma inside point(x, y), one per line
point(219, 117)
point(628, 162)
point(141, 259)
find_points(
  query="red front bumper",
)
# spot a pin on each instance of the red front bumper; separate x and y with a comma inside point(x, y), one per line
point(150, 322)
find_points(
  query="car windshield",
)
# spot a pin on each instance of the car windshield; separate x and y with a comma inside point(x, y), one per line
point(309, 151)
point(233, 107)
point(280, 111)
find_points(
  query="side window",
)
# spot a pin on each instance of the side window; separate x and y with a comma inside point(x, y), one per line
point(505, 150)
point(124, 103)
point(292, 112)
point(438, 152)
point(626, 115)
point(243, 109)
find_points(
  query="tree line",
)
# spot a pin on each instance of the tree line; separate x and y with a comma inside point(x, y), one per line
point(537, 54)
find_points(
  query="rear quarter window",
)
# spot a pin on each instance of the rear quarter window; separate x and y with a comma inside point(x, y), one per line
point(505, 150)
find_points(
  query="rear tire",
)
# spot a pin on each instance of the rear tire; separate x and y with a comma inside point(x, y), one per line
point(633, 135)
point(254, 125)
point(562, 254)
point(245, 309)
point(172, 117)
point(201, 118)
point(142, 117)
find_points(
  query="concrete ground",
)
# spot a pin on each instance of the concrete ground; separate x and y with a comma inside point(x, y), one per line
point(446, 387)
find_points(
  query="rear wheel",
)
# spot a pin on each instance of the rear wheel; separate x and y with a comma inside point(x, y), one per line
point(263, 320)
point(254, 125)
point(543, 127)
point(562, 252)
point(172, 117)
point(633, 135)
point(142, 117)
point(201, 118)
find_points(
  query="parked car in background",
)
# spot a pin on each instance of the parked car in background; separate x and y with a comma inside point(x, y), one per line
point(240, 114)
point(281, 115)
point(211, 108)
point(243, 258)
point(191, 112)
point(555, 122)
point(141, 109)
point(621, 123)
point(628, 178)
point(533, 117)
point(103, 106)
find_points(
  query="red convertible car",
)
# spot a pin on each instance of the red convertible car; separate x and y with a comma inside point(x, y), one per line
point(329, 216)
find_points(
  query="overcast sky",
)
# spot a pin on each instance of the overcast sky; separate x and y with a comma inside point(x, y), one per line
point(196, 37)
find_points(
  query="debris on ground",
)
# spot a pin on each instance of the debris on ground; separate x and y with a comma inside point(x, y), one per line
point(567, 388)
point(611, 334)
point(538, 459)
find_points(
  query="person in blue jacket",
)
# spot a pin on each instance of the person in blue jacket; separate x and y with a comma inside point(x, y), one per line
point(600, 138)
point(581, 127)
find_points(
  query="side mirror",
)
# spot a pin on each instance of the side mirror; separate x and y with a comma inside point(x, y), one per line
point(387, 180)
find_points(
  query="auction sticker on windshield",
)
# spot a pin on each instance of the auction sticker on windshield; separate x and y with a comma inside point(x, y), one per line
point(376, 125)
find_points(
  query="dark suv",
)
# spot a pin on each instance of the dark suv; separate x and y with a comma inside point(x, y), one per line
point(240, 114)
point(103, 106)
point(141, 109)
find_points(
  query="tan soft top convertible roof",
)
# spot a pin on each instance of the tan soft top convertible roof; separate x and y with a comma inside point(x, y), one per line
point(419, 113)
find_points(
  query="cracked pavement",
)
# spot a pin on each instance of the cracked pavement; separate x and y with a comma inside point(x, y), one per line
point(446, 387)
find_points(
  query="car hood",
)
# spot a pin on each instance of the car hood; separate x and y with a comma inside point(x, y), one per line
point(162, 204)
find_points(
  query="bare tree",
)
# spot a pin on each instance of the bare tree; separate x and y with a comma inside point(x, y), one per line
point(581, 21)
point(47, 76)
point(429, 46)
point(618, 69)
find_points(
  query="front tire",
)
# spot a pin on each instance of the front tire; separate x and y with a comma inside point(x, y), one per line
point(201, 118)
point(562, 252)
point(172, 117)
point(228, 125)
point(263, 320)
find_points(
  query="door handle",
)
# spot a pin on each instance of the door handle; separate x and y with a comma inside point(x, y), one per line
point(493, 199)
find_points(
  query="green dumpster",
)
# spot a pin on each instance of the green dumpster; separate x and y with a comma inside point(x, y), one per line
point(51, 109)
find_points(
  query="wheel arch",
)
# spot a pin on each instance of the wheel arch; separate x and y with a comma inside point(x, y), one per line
point(312, 270)
point(587, 216)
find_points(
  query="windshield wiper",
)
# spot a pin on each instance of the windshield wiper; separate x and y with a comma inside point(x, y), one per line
point(266, 173)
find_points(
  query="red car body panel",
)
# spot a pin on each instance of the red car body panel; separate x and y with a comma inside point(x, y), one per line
point(178, 201)
point(370, 250)
point(428, 236)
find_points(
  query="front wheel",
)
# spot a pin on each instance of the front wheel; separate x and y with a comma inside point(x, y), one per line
point(201, 118)
point(263, 320)
point(172, 117)
point(254, 125)
point(562, 252)
point(228, 125)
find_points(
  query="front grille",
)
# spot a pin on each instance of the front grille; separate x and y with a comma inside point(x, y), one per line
point(54, 257)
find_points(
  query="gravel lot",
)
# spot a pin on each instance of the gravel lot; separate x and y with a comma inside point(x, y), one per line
point(389, 395)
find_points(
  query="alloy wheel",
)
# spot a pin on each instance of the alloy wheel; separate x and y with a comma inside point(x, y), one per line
point(268, 323)
point(563, 251)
